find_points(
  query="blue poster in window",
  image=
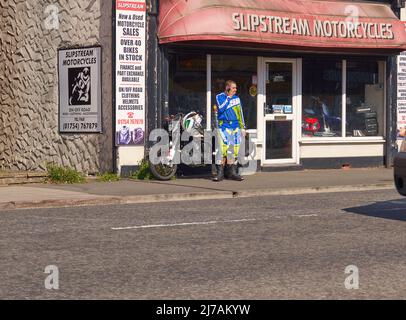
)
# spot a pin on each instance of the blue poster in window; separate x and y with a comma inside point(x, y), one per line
point(280, 108)
point(287, 109)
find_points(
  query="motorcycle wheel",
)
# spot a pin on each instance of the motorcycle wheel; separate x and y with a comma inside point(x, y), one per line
point(163, 172)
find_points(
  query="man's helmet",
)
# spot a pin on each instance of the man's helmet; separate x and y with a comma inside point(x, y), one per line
point(192, 123)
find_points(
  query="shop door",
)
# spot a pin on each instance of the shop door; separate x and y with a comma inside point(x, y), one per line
point(279, 112)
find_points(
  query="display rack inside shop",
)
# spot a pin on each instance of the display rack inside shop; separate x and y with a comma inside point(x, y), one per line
point(364, 122)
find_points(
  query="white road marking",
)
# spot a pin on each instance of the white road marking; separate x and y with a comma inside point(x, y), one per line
point(307, 215)
point(183, 224)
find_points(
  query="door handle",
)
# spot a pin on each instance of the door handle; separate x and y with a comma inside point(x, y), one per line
point(267, 109)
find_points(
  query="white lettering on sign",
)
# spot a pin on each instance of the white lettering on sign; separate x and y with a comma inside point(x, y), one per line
point(316, 28)
point(130, 72)
point(401, 98)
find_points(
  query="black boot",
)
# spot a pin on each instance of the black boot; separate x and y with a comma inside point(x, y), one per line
point(234, 173)
point(220, 173)
point(227, 172)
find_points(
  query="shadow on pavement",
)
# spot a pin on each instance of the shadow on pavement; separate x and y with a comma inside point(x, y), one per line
point(200, 172)
point(392, 209)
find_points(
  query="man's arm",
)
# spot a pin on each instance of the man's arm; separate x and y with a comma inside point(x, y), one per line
point(222, 102)
point(241, 120)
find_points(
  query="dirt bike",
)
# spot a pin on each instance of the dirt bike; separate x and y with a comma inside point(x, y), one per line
point(175, 126)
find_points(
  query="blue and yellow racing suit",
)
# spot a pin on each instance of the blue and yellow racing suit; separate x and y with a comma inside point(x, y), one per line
point(230, 123)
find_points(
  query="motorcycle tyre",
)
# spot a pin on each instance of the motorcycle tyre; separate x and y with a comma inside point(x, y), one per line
point(154, 168)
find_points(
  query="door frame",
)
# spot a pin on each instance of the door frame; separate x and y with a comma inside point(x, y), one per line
point(296, 106)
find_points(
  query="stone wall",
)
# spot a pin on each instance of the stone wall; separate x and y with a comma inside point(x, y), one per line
point(29, 137)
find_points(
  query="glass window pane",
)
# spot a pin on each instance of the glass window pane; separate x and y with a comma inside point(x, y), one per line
point(279, 85)
point(365, 98)
point(242, 70)
point(278, 140)
point(187, 83)
point(322, 97)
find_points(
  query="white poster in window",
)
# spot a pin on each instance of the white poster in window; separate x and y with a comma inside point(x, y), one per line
point(130, 72)
point(79, 90)
point(401, 98)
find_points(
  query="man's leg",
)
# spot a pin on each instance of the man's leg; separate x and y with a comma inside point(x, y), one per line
point(222, 138)
point(235, 150)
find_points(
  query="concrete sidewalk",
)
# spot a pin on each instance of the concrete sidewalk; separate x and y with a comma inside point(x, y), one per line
point(129, 191)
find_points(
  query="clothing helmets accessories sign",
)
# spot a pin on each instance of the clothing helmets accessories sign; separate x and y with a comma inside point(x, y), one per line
point(80, 90)
point(130, 72)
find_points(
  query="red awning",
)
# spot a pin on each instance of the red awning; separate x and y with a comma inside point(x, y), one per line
point(297, 23)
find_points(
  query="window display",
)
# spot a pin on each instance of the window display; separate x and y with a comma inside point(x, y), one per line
point(187, 83)
point(322, 98)
point(365, 98)
point(322, 91)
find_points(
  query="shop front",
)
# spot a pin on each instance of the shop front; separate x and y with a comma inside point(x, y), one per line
point(315, 77)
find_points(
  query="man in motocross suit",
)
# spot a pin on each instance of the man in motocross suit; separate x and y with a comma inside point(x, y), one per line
point(231, 128)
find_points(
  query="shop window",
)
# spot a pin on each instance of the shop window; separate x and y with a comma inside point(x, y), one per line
point(365, 98)
point(322, 98)
point(187, 83)
point(243, 70)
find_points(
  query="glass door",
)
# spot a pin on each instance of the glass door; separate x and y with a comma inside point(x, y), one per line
point(279, 112)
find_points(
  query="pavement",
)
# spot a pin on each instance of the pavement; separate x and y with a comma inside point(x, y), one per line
point(41, 195)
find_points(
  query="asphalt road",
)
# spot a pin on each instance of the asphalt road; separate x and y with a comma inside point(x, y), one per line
point(284, 247)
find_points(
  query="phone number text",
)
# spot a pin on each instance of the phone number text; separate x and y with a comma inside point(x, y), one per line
point(79, 126)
